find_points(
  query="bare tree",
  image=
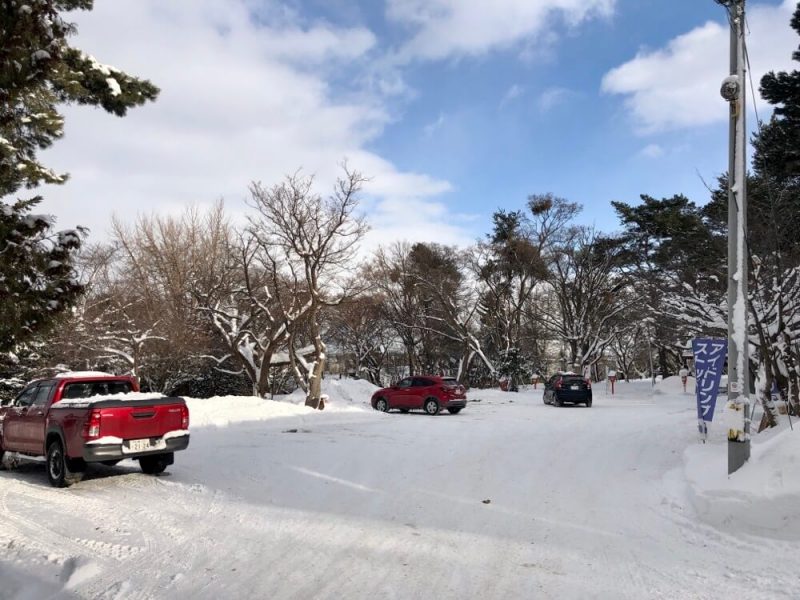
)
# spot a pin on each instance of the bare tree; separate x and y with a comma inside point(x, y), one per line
point(451, 302)
point(626, 348)
point(589, 294)
point(391, 270)
point(256, 309)
point(311, 241)
point(361, 331)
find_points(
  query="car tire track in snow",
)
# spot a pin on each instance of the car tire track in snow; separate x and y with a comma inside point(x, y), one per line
point(171, 547)
point(30, 531)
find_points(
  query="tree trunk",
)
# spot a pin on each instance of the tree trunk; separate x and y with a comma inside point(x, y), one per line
point(314, 393)
point(410, 357)
point(463, 365)
point(663, 362)
point(573, 354)
point(262, 384)
point(770, 418)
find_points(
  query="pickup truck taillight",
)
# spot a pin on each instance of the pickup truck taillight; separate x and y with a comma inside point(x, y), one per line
point(91, 429)
point(184, 417)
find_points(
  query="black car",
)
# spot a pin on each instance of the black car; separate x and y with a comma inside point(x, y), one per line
point(568, 387)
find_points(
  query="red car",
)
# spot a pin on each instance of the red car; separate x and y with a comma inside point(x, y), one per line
point(427, 392)
point(78, 419)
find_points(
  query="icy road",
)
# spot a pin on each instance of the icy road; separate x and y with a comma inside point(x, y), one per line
point(506, 500)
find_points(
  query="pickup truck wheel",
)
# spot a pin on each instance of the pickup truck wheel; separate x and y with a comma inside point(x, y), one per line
point(2, 464)
point(153, 465)
point(58, 466)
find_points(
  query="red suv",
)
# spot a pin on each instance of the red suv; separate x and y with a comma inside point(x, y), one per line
point(428, 392)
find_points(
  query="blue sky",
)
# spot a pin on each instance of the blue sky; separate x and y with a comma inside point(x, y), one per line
point(454, 107)
point(502, 126)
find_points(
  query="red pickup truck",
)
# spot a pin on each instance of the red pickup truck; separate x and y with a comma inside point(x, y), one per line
point(83, 418)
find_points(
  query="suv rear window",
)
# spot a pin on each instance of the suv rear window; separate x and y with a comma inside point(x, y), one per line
point(569, 379)
point(87, 389)
point(449, 381)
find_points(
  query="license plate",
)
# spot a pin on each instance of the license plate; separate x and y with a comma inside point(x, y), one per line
point(574, 387)
point(141, 445)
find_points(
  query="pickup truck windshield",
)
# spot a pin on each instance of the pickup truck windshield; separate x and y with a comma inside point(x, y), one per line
point(87, 389)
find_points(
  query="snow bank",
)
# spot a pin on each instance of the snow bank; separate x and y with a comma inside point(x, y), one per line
point(221, 411)
point(761, 498)
point(344, 395)
point(673, 385)
point(340, 391)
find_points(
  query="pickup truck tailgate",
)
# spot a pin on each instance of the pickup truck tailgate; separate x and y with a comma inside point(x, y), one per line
point(140, 418)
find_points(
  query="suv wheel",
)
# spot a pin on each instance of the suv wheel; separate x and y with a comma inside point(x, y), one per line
point(382, 405)
point(589, 403)
point(431, 406)
point(558, 401)
point(454, 411)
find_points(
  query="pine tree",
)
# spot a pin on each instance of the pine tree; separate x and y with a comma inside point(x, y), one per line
point(513, 365)
point(778, 145)
point(39, 71)
point(669, 244)
point(773, 207)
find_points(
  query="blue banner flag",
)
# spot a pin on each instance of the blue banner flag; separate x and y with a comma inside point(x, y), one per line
point(709, 361)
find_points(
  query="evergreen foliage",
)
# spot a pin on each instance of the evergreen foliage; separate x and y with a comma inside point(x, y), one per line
point(37, 280)
point(778, 145)
point(39, 71)
point(513, 365)
point(673, 249)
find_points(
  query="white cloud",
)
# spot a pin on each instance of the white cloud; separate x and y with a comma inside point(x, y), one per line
point(434, 126)
point(453, 28)
point(678, 85)
point(652, 151)
point(242, 99)
point(552, 97)
point(416, 221)
point(514, 92)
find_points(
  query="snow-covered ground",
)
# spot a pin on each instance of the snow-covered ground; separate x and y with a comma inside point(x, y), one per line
point(509, 499)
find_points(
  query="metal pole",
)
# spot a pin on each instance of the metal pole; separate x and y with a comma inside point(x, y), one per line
point(738, 363)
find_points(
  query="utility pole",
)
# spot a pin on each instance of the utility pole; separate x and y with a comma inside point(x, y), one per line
point(733, 90)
